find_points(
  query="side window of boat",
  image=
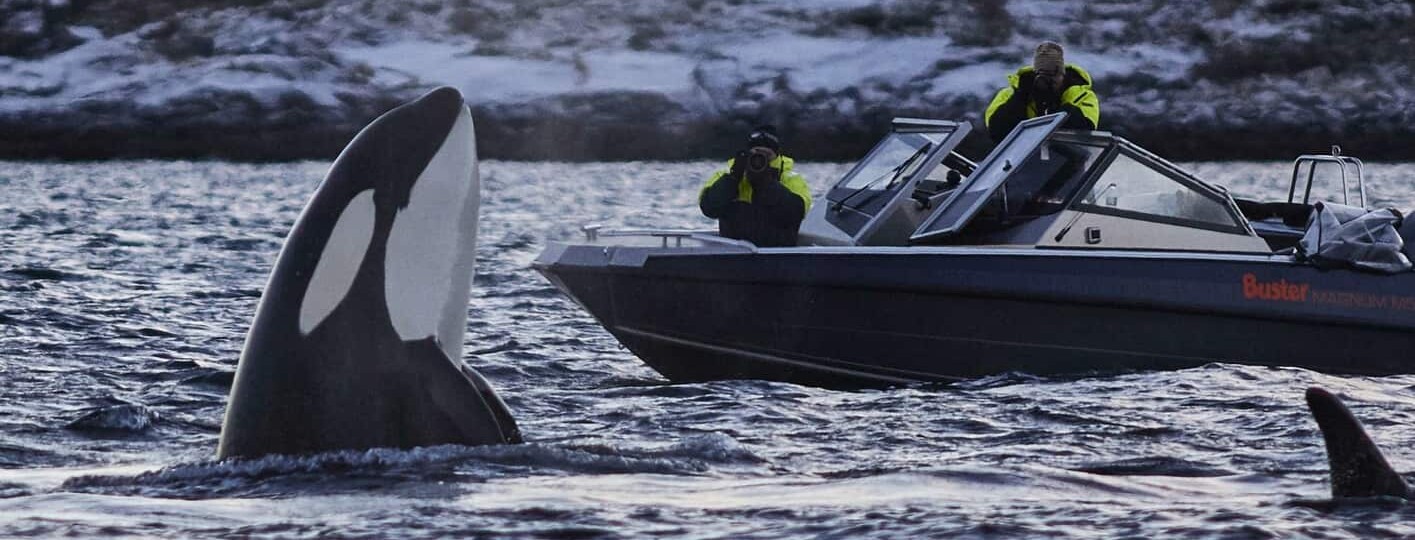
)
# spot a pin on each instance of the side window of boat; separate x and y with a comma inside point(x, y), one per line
point(1045, 183)
point(1130, 186)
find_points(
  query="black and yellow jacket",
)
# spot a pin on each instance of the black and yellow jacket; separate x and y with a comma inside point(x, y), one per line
point(768, 217)
point(1014, 104)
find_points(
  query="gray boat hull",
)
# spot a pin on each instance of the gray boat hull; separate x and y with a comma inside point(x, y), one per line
point(860, 317)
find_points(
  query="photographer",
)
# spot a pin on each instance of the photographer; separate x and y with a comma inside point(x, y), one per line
point(1047, 86)
point(757, 197)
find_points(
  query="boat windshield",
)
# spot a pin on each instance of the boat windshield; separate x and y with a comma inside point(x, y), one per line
point(868, 189)
point(965, 202)
point(889, 159)
point(1044, 184)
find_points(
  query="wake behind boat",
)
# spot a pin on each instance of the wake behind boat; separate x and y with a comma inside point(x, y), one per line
point(1060, 252)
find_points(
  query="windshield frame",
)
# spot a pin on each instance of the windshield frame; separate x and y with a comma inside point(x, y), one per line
point(854, 181)
point(861, 209)
point(1174, 173)
point(989, 177)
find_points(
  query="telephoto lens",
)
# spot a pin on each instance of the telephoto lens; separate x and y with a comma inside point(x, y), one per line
point(760, 159)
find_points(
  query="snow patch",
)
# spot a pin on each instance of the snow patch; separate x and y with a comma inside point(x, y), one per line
point(483, 78)
point(836, 63)
point(977, 79)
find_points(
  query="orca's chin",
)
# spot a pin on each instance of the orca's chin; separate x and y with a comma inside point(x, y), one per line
point(357, 341)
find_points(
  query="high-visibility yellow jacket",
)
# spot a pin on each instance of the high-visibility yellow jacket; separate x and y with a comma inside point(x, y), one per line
point(767, 217)
point(1015, 103)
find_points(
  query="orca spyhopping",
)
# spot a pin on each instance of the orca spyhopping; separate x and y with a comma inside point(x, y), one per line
point(357, 341)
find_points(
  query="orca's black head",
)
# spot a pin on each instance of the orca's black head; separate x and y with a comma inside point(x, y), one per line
point(397, 146)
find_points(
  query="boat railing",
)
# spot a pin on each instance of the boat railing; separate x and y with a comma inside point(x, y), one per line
point(594, 232)
point(1345, 163)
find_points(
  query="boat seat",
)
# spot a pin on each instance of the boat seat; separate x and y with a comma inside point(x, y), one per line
point(1291, 214)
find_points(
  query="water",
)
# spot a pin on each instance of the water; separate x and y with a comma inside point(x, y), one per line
point(128, 288)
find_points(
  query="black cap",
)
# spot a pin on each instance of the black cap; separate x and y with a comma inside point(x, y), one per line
point(764, 135)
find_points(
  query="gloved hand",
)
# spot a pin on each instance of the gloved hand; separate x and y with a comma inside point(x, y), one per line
point(739, 165)
point(1024, 86)
point(1046, 94)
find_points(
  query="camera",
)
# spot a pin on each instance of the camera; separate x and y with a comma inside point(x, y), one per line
point(759, 159)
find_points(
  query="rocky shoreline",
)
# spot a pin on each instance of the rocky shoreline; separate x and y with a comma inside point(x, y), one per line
point(295, 133)
point(254, 80)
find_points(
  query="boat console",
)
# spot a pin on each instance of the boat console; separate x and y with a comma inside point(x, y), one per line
point(1040, 188)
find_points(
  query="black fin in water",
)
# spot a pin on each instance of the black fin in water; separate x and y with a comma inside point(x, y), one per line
point(1358, 469)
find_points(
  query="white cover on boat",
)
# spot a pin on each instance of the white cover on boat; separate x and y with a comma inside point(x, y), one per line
point(1340, 235)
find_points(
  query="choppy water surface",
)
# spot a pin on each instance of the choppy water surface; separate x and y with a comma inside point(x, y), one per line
point(127, 289)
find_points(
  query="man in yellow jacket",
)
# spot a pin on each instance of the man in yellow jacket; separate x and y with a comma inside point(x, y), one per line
point(757, 197)
point(1047, 86)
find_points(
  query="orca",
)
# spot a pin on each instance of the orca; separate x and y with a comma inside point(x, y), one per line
point(1358, 469)
point(357, 339)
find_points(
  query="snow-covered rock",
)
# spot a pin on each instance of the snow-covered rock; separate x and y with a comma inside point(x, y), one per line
point(608, 79)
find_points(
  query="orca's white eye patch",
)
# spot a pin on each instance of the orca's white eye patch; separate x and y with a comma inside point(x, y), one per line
point(339, 262)
point(431, 247)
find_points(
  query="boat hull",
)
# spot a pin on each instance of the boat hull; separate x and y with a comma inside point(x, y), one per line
point(855, 317)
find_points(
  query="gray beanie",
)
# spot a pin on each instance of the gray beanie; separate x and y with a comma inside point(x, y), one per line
point(1048, 59)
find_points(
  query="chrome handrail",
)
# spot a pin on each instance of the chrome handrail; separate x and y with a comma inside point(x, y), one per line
point(594, 231)
point(1336, 158)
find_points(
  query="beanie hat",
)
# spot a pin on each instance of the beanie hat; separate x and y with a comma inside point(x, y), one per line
point(1048, 60)
point(764, 135)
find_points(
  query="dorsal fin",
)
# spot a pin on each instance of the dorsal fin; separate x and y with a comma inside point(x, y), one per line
point(1358, 469)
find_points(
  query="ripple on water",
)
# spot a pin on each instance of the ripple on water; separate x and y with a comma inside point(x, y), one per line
point(43, 274)
point(219, 379)
point(345, 471)
point(1155, 466)
point(123, 418)
point(10, 491)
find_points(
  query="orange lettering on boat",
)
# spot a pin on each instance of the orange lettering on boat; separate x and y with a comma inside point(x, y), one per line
point(1276, 291)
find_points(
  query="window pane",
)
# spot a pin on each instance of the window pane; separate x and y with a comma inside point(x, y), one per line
point(1045, 183)
point(889, 154)
point(987, 180)
point(866, 191)
point(1134, 186)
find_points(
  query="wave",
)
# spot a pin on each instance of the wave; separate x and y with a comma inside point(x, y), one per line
point(279, 475)
point(10, 491)
point(126, 418)
point(1155, 466)
point(41, 273)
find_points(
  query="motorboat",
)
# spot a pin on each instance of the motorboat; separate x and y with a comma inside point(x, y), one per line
point(1060, 252)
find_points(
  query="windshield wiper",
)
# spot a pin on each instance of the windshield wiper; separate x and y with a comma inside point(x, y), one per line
point(893, 175)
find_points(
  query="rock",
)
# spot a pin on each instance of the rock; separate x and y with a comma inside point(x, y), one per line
point(32, 28)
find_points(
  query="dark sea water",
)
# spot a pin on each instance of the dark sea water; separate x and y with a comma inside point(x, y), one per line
point(126, 289)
